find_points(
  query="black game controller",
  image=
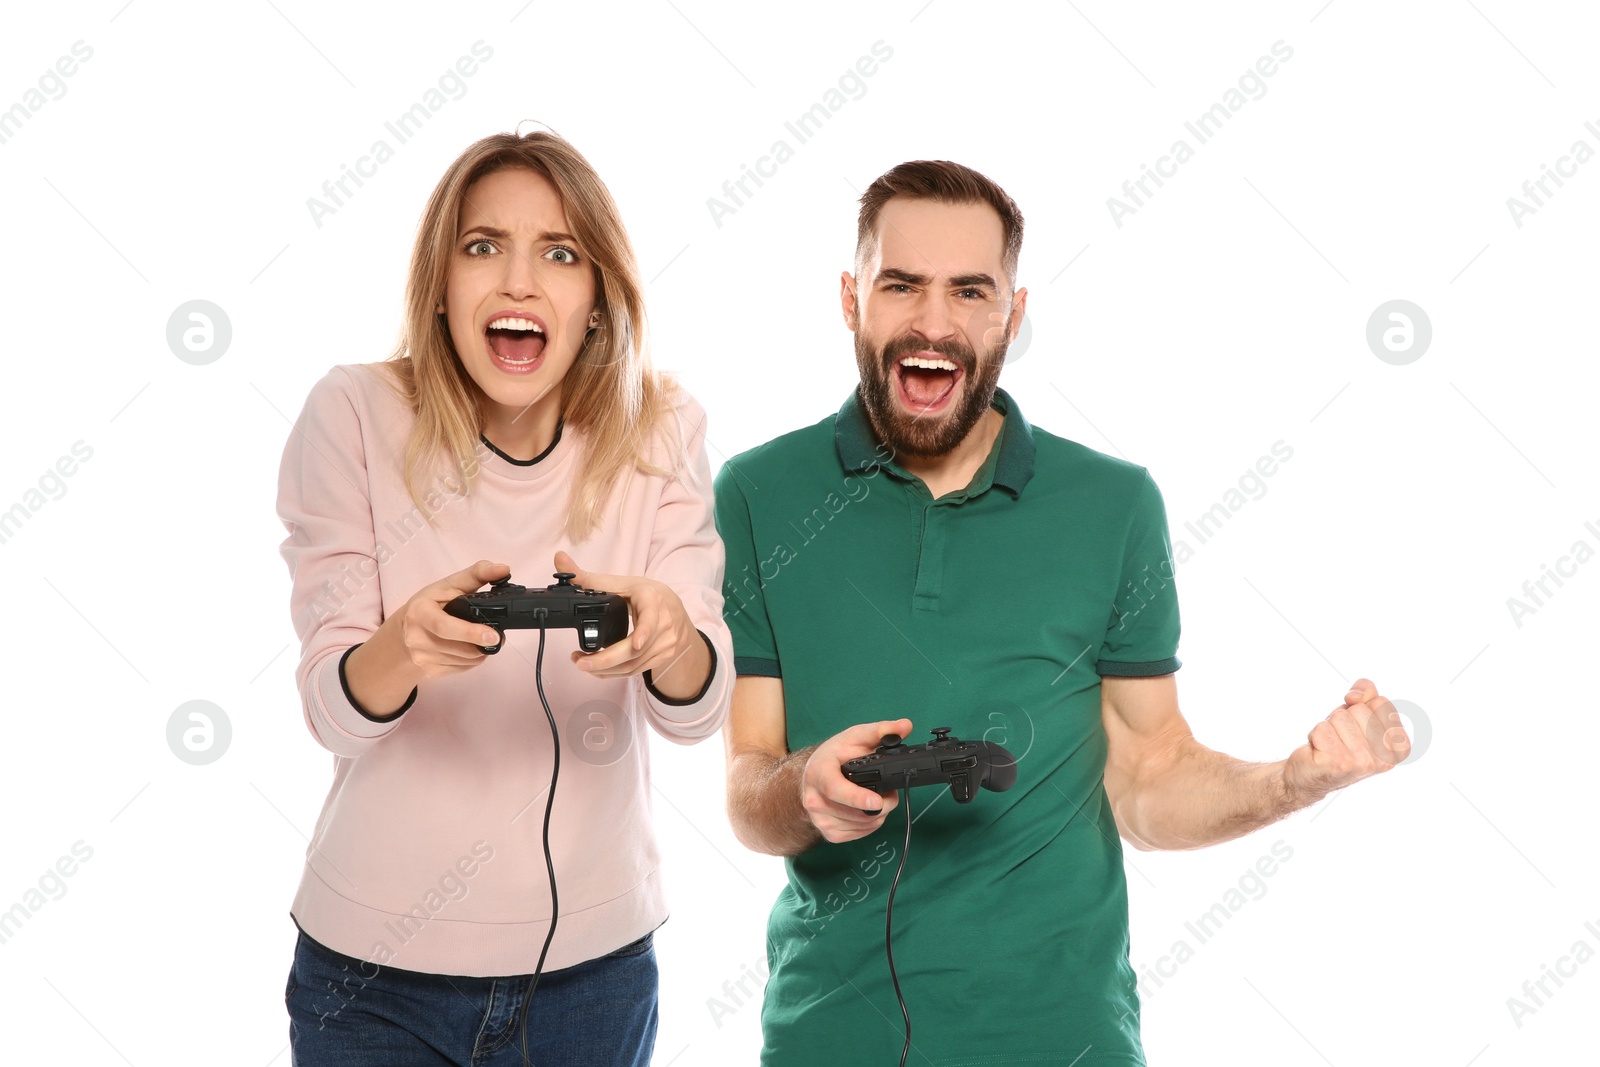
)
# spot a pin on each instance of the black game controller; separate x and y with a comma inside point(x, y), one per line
point(601, 619)
point(965, 765)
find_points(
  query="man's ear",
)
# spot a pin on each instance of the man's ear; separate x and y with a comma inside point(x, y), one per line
point(849, 303)
point(1019, 307)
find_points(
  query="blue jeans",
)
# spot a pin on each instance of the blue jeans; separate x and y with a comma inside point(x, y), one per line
point(595, 1014)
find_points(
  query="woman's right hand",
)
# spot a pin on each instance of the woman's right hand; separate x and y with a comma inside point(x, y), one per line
point(437, 644)
point(420, 641)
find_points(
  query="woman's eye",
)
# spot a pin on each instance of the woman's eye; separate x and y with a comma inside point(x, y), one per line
point(562, 255)
point(478, 244)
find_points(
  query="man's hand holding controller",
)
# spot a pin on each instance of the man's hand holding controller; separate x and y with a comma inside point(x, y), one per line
point(839, 809)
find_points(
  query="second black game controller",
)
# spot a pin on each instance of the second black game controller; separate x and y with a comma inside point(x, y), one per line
point(600, 618)
point(964, 765)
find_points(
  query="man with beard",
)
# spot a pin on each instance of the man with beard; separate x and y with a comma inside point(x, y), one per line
point(926, 556)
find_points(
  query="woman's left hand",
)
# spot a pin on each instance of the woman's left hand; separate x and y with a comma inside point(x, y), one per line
point(664, 641)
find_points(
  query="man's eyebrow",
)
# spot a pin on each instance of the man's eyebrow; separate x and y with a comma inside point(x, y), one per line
point(961, 281)
point(495, 231)
point(895, 274)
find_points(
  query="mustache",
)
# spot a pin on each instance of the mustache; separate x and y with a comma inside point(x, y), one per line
point(953, 349)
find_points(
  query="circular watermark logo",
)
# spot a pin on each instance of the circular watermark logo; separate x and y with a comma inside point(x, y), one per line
point(198, 732)
point(1007, 725)
point(599, 733)
point(1019, 347)
point(199, 332)
point(1418, 727)
point(1399, 332)
point(991, 328)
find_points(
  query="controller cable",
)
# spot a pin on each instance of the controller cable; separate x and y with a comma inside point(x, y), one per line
point(888, 925)
point(555, 771)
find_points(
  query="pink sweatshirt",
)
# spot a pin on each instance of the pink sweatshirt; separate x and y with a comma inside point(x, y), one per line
point(428, 854)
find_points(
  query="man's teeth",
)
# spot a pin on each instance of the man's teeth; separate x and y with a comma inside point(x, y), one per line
point(514, 324)
point(927, 364)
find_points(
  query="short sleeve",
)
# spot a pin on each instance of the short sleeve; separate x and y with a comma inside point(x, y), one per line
point(744, 605)
point(1142, 632)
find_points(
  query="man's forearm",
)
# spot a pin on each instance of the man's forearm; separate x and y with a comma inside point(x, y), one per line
point(764, 803)
point(1201, 797)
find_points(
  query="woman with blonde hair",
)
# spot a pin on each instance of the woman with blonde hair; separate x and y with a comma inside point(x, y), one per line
point(470, 896)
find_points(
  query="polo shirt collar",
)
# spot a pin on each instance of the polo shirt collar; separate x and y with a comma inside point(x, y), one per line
point(859, 449)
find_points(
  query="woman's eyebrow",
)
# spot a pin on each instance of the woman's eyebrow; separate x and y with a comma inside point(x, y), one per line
point(495, 231)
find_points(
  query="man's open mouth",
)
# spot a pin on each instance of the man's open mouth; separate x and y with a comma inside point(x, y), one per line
point(926, 382)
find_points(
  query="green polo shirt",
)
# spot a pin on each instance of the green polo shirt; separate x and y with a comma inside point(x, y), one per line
point(995, 611)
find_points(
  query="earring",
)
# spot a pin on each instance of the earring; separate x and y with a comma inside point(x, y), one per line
point(594, 319)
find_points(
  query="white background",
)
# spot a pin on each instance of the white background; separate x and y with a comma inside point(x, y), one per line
point(1226, 314)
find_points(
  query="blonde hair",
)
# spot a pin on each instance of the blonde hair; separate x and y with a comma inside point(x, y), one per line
point(611, 393)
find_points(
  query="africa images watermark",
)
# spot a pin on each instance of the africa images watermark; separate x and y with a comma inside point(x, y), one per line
point(736, 994)
point(456, 487)
point(1566, 167)
point(1251, 885)
point(852, 889)
point(1203, 128)
point(52, 885)
point(53, 82)
point(451, 886)
point(745, 588)
point(51, 485)
point(402, 129)
point(1566, 567)
point(1536, 991)
point(1252, 482)
point(804, 126)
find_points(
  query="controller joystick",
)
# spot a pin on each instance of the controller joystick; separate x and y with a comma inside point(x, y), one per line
point(946, 760)
point(600, 618)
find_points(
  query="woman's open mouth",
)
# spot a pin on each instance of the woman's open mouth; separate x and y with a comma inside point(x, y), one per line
point(516, 344)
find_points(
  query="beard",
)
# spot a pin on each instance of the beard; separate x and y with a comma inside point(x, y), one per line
point(919, 435)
